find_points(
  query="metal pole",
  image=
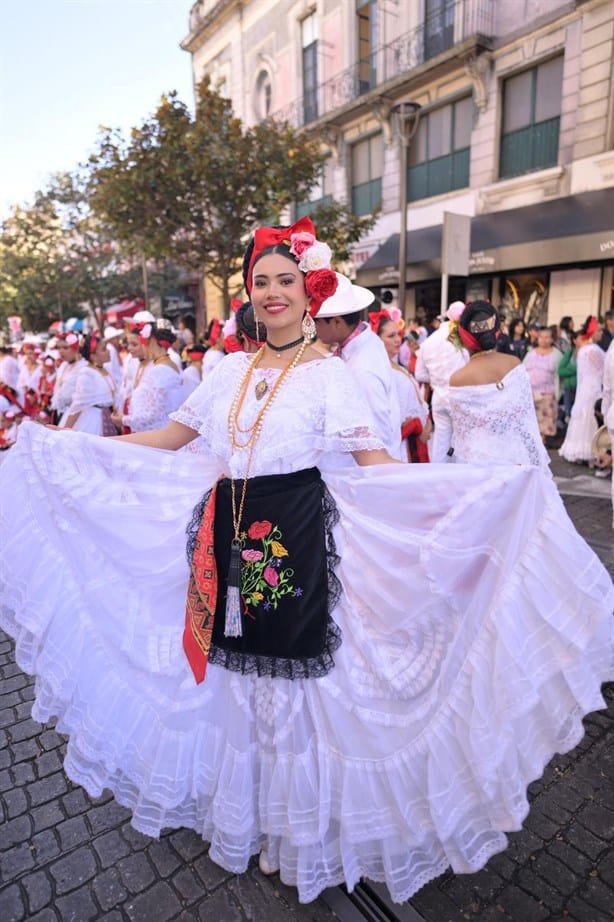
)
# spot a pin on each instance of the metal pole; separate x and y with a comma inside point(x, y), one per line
point(407, 113)
point(403, 216)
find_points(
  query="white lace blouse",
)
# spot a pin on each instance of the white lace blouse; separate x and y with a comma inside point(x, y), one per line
point(158, 394)
point(315, 418)
point(496, 423)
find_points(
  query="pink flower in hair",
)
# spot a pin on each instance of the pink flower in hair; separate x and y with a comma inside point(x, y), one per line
point(301, 242)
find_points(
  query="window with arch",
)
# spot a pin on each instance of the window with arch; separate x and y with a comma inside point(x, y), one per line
point(263, 94)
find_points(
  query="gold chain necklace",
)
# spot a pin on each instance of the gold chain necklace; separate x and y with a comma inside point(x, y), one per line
point(232, 626)
point(254, 431)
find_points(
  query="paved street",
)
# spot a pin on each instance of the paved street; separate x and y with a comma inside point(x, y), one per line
point(64, 856)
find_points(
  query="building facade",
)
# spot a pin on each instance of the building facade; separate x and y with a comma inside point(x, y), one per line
point(513, 127)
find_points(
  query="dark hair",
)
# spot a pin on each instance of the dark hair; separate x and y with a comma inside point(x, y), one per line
point(585, 325)
point(90, 344)
point(566, 324)
point(246, 323)
point(162, 333)
point(279, 248)
point(513, 324)
point(475, 312)
point(382, 323)
point(197, 347)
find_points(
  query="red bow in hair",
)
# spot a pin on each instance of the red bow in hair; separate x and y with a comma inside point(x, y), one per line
point(214, 333)
point(235, 304)
point(592, 326)
point(265, 237)
point(376, 318)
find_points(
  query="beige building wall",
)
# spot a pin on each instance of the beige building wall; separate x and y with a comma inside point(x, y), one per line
point(249, 39)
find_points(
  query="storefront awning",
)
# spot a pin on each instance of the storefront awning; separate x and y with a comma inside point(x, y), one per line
point(561, 232)
point(124, 310)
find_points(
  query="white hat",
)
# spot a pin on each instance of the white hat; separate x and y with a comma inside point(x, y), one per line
point(112, 332)
point(347, 299)
point(144, 317)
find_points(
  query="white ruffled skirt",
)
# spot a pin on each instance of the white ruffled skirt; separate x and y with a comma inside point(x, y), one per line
point(477, 630)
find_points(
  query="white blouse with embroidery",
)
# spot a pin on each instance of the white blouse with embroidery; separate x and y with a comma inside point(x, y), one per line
point(315, 411)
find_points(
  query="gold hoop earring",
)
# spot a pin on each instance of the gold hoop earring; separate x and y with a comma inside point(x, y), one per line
point(308, 328)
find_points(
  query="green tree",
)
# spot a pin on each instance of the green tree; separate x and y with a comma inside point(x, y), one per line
point(192, 188)
point(340, 227)
point(57, 259)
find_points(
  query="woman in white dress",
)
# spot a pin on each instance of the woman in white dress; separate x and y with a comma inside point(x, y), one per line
point(68, 373)
point(416, 426)
point(159, 389)
point(491, 401)
point(358, 697)
point(590, 360)
point(193, 374)
point(96, 394)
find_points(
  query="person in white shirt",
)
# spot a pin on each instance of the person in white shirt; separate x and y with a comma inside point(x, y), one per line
point(437, 361)
point(339, 320)
point(112, 336)
point(607, 402)
point(68, 373)
point(9, 368)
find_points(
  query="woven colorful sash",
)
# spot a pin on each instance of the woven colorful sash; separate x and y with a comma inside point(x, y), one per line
point(202, 595)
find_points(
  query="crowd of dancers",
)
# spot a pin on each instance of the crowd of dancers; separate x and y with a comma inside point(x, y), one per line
point(253, 618)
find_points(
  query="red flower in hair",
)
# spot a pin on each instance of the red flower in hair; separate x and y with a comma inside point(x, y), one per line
point(320, 285)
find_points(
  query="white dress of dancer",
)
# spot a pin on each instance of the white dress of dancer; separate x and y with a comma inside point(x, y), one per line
point(94, 390)
point(158, 394)
point(446, 698)
point(582, 427)
point(496, 423)
point(437, 361)
point(191, 379)
point(65, 385)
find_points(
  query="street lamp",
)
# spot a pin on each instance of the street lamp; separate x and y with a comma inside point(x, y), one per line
point(407, 116)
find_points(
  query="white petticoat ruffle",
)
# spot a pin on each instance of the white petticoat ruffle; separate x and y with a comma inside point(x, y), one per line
point(470, 655)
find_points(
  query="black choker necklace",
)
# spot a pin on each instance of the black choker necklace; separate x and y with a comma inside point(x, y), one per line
point(279, 349)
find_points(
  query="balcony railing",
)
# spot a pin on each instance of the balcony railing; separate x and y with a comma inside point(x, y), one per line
point(456, 21)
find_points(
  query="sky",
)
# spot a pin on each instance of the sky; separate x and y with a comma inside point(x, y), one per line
point(70, 66)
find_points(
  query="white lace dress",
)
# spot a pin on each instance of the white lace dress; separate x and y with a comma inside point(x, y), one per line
point(468, 655)
point(158, 393)
point(93, 391)
point(582, 427)
point(496, 423)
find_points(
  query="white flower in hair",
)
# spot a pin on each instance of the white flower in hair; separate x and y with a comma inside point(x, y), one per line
point(317, 256)
point(146, 331)
point(71, 339)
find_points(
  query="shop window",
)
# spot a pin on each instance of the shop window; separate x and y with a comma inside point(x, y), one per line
point(531, 119)
point(367, 167)
point(309, 42)
point(439, 153)
point(367, 43)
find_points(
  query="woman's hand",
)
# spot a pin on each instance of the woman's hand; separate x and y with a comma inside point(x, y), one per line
point(118, 419)
point(426, 431)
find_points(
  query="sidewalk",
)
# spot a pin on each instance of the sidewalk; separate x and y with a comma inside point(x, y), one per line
point(64, 856)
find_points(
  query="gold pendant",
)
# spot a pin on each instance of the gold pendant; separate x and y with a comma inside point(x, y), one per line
point(261, 389)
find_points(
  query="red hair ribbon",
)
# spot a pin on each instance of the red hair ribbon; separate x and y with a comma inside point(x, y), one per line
point(469, 341)
point(265, 237)
point(376, 318)
point(214, 333)
point(235, 304)
point(591, 328)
